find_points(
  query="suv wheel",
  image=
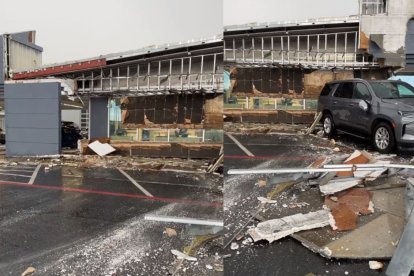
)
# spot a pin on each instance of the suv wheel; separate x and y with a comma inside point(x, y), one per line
point(328, 125)
point(384, 141)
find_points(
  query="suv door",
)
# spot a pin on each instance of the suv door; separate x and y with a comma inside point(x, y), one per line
point(360, 118)
point(341, 104)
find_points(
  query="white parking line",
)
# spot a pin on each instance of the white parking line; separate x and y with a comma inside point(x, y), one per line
point(135, 183)
point(12, 174)
point(3, 170)
point(33, 178)
point(246, 151)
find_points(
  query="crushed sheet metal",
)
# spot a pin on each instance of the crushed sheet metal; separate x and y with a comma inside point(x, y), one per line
point(275, 229)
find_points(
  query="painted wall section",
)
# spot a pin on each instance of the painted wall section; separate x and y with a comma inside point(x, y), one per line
point(33, 119)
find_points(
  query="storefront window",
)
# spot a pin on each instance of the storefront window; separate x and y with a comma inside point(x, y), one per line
point(118, 132)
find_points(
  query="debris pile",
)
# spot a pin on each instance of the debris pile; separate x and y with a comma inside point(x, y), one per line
point(339, 219)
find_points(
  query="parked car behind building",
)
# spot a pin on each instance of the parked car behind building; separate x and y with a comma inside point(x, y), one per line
point(70, 135)
point(382, 111)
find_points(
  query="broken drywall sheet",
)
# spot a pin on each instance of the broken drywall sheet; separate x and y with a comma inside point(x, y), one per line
point(371, 175)
point(101, 149)
point(358, 199)
point(345, 218)
point(357, 157)
point(338, 185)
point(275, 229)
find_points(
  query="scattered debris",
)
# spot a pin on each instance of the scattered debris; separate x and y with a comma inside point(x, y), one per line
point(234, 246)
point(29, 271)
point(170, 232)
point(209, 267)
point(375, 265)
point(183, 256)
point(261, 183)
point(318, 118)
point(266, 200)
point(357, 157)
point(275, 229)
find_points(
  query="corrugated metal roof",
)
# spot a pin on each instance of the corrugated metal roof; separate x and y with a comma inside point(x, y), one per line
point(142, 51)
point(277, 24)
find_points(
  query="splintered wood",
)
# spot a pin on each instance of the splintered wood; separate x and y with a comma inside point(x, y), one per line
point(275, 229)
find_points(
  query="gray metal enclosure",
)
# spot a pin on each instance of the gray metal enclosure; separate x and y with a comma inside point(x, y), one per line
point(33, 119)
point(98, 117)
point(409, 44)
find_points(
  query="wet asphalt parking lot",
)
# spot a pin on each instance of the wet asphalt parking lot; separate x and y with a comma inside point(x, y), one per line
point(77, 221)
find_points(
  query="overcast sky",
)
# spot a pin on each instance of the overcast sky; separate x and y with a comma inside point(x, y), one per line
point(76, 29)
point(248, 11)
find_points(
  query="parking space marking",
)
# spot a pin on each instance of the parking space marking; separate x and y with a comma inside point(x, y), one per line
point(275, 157)
point(33, 177)
point(7, 170)
point(246, 151)
point(12, 174)
point(135, 183)
point(87, 191)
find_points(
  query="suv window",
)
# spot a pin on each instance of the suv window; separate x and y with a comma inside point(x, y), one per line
point(344, 90)
point(392, 90)
point(361, 92)
point(327, 89)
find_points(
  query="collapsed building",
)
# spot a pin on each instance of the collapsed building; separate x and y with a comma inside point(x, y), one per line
point(161, 101)
point(284, 65)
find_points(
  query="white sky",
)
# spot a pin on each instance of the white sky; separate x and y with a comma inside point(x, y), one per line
point(248, 11)
point(76, 29)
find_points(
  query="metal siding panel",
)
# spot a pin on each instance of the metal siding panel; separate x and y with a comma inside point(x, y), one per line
point(27, 149)
point(23, 57)
point(34, 91)
point(30, 135)
point(36, 106)
point(38, 121)
point(33, 119)
point(1, 61)
point(409, 44)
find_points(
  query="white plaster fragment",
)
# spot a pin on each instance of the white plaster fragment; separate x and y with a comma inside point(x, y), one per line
point(275, 229)
point(335, 186)
point(183, 256)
